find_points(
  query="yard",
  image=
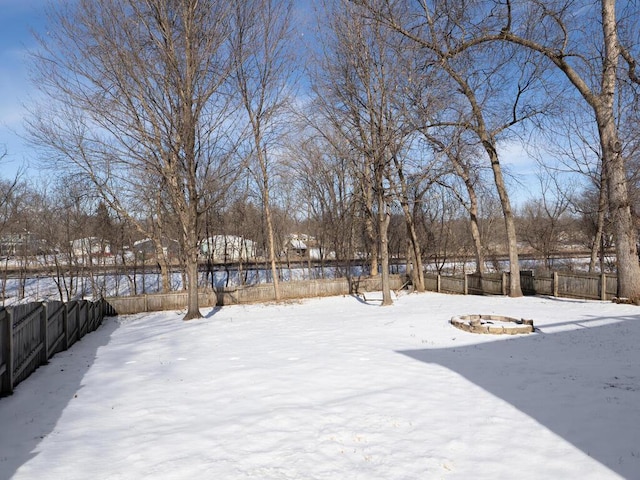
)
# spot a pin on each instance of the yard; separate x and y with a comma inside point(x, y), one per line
point(337, 388)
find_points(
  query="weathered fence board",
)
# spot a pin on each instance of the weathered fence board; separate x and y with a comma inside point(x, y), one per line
point(486, 285)
point(452, 284)
point(73, 311)
point(6, 356)
point(541, 286)
point(28, 333)
point(82, 318)
point(56, 324)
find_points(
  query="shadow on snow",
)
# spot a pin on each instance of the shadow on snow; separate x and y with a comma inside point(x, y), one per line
point(547, 376)
point(32, 412)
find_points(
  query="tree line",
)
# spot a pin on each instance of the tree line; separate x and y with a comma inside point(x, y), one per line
point(392, 118)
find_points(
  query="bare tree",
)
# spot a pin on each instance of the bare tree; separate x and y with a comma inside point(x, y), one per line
point(7, 190)
point(491, 85)
point(325, 184)
point(542, 218)
point(590, 46)
point(138, 90)
point(361, 75)
point(463, 158)
point(263, 68)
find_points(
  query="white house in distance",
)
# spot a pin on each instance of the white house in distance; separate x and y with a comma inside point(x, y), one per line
point(228, 248)
point(306, 246)
point(90, 247)
point(147, 248)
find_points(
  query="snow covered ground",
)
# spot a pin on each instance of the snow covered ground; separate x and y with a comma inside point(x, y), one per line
point(336, 388)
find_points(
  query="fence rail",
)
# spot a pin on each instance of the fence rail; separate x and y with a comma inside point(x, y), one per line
point(32, 333)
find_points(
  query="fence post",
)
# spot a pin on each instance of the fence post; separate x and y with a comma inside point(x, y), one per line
point(65, 324)
point(603, 286)
point(44, 334)
point(555, 284)
point(98, 308)
point(504, 283)
point(6, 385)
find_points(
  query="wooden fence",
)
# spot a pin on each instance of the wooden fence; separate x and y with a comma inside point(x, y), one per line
point(556, 284)
point(32, 333)
point(251, 294)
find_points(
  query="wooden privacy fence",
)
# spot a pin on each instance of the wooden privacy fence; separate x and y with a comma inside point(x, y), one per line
point(32, 333)
point(556, 284)
point(251, 294)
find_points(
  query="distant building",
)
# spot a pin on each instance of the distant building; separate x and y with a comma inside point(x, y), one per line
point(146, 248)
point(305, 246)
point(228, 248)
point(90, 247)
point(17, 244)
point(296, 246)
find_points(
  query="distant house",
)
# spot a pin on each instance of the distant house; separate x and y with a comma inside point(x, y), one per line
point(17, 244)
point(318, 253)
point(228, 248)
point(306, 246)
point(12, 243)
point(90, 247)
point(146, 248)
point(296, 246)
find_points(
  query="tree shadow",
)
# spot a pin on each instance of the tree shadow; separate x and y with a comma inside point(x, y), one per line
point(32, 412)
point(367, 301)
point(212, 312)
point(547, 375)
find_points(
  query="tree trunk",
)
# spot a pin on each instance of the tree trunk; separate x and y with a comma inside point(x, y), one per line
point(271, 244)
point(190, 244)
point(370, 232)
point(163, 263)
point(193, 309)
point(477, 239)
point(613, 163)
point(463, 173)
point(384, 218)
point(512, 242)
point(597, 240)
point(416, 253)
point(620, 211)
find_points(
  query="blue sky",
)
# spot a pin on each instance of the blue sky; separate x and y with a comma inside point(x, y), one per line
point(17, 20)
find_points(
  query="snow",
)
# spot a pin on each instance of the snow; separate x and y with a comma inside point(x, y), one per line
point(337, 388)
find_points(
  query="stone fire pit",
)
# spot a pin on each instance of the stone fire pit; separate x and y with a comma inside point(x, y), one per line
point(493, 324)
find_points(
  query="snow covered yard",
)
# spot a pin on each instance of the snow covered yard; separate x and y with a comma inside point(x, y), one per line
point(336, 388)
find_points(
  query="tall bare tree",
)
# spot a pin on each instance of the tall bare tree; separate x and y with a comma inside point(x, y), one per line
point(263, 71)
point(542, 219)
point(324, 181)
point(492, 86)
point(591, 62)
point(360, 82)
point(139, 90)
